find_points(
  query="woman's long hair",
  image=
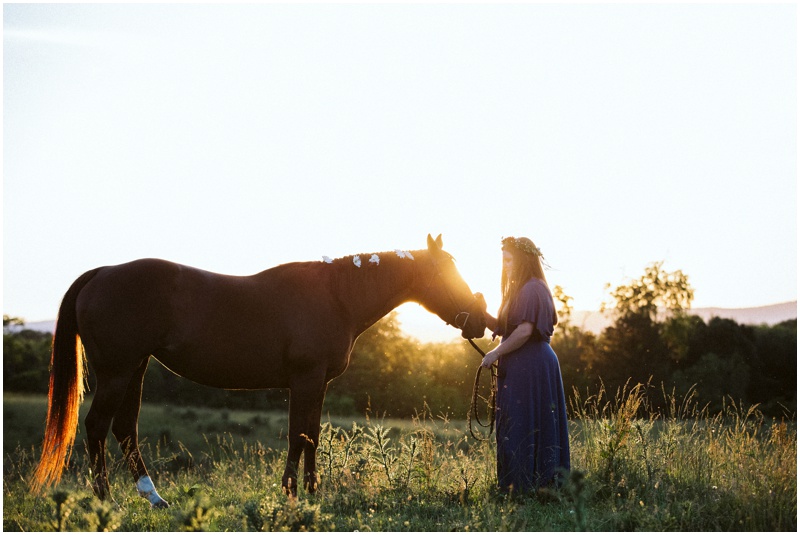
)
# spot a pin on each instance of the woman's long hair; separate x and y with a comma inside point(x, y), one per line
point(527, 264)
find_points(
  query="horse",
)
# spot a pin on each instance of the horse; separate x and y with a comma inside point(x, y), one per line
point(292, 326)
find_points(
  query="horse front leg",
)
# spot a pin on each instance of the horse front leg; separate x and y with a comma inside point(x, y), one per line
point(305, 408)
point(289, 479)
point(310, 479)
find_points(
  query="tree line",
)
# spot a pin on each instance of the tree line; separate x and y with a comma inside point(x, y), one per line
point(653, 339)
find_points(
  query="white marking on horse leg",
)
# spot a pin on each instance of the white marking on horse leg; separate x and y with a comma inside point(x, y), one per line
point(147, 490)
point(357, 261)
point(375, 259)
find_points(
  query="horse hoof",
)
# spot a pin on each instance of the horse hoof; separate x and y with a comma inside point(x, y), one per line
point(161, 504)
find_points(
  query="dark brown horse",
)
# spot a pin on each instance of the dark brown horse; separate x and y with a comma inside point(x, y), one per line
point(292, 326)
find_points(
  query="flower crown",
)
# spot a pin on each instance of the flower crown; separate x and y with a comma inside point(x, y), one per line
point(526, 246)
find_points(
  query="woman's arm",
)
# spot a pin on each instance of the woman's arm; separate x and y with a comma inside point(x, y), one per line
point(515, 341)
point(491, 321)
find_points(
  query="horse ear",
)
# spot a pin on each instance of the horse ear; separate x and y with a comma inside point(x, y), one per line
point(434, 245)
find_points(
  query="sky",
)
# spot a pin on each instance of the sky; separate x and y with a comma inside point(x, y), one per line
point(235, 138)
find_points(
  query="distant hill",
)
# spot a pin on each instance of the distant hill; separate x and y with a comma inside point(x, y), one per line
point(588, 321)
point(766, 315)
point(47, 326)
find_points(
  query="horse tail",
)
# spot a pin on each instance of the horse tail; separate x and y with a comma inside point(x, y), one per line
point(67, 380)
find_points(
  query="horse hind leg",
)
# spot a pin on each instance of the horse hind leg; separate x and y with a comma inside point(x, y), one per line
point(125, 430)
point(109, 394)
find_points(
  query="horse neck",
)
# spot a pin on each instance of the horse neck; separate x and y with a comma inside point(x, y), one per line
point(370, 292)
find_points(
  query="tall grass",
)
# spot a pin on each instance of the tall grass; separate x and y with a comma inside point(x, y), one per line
point(633, 469)
point(686, 469)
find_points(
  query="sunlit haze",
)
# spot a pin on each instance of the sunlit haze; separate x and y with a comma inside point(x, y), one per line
point(235, 138)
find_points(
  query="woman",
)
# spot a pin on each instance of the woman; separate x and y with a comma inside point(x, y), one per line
point(532, 434)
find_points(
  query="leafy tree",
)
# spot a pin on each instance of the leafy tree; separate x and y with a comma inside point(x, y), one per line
point(576, 348)
point(11, 320)
point(393, 374)
point(379, 358)
point(26, 361)
point(715, 377)
point(718, 359)
point(634, 346)
point(565, 309)
point(632, 349)
point(656, 289)
point(773, 376)
point(677, 333)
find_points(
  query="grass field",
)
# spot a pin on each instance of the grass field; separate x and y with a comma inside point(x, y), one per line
point(681, 470)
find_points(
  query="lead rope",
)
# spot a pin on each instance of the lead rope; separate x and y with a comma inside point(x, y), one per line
point(473, 408)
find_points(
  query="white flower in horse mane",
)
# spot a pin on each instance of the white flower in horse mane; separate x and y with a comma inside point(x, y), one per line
point(327, 259)
point(375, 259)
point(403, 254)
point(357, 261)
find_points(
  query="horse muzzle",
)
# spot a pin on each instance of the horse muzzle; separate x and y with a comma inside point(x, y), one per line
point(471, 325)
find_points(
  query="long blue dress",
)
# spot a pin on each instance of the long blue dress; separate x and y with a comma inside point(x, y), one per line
point(532, 429)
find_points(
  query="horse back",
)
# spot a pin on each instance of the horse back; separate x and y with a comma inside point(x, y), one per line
point(219, 330)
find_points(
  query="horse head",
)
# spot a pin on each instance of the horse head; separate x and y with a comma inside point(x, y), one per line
point(445, 293)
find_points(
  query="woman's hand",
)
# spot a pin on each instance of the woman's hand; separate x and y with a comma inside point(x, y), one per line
point(481, 301)
point(490, 358)
point(514, 341)
point(491, 321)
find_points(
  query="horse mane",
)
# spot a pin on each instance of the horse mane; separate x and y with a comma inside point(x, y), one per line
point(385, 258)
point(391, 272)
